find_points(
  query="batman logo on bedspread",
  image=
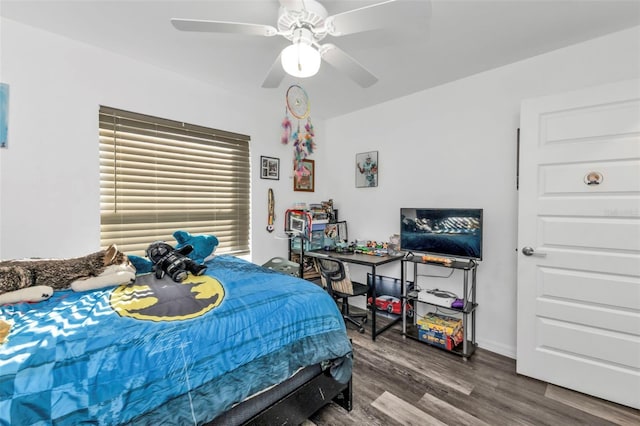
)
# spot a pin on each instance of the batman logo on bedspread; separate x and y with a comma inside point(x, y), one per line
point(155, 299)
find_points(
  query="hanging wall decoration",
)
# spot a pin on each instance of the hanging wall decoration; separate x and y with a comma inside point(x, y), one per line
point(302, 137)
point(4, 115)
point(286, 128)
point(271, 203)
point(305, 180)
point(367, 169)
point(269, 168)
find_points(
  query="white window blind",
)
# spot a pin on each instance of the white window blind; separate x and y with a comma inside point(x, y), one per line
point(158, 176)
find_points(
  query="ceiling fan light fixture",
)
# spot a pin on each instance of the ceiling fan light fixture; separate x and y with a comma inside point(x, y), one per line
point(301, 59)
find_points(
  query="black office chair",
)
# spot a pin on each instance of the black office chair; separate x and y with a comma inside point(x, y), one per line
point(337, 282)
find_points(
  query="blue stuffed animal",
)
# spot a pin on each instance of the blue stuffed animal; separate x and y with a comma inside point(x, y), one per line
point(203, 245)
point(142, 264)
point(203, 248)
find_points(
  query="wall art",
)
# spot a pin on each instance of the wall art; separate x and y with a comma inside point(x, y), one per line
point(4, 115)
point(269, 168)
point(304, 176)
point(367, 169)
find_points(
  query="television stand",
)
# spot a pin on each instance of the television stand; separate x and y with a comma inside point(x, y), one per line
point(467, 312)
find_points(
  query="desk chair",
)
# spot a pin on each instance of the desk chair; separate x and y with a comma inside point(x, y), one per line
point(337, 282)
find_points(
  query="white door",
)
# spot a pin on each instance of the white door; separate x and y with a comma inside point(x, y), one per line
point(579, 241)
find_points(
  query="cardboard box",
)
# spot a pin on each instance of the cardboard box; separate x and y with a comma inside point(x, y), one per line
point(440, 330)
point(440, 323)
point(440, 339)
point(436, 339)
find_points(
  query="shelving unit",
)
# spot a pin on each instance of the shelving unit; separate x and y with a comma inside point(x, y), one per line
point(310, 236)
point(467, 312)
point(308, 231)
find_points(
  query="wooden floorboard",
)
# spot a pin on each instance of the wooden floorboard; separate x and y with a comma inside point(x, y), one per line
point(403, 411)
point(612, 412)
point(400, 381)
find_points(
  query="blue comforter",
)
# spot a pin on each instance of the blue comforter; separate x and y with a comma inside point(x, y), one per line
point(159, 352)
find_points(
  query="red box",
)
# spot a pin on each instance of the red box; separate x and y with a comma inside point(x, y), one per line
point(436, 338)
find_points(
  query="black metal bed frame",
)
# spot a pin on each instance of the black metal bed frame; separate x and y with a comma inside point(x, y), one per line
point(299, 404)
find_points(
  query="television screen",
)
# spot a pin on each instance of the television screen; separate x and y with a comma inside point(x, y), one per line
point(448, 232)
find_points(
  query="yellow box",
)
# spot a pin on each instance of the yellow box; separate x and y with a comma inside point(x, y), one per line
point(440, 323)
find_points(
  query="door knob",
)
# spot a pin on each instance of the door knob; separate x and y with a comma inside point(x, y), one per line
point(529, 251)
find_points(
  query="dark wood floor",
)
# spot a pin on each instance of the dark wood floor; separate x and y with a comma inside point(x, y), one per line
point(400, 381)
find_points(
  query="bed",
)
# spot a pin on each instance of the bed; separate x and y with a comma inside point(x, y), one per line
point(239, 345)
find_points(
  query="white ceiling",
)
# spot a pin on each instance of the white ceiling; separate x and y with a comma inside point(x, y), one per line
point(462, 37)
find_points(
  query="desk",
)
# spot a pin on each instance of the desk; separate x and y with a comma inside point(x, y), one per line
point(372, 262)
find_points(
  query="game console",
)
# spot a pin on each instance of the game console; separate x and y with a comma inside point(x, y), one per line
point(436, 297)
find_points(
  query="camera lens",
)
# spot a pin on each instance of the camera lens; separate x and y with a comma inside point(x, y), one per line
point(180, 276)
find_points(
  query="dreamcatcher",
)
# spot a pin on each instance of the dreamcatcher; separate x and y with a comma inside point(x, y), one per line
point(303, 144)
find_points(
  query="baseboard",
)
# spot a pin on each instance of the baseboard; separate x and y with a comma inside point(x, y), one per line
point(499, 348)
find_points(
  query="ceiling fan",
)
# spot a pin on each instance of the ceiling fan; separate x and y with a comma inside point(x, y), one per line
point(306, 23)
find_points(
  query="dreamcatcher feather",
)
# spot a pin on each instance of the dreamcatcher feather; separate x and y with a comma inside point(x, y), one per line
point(299, 154)
point(308, 137)
point(295, 136)
point(286, 128)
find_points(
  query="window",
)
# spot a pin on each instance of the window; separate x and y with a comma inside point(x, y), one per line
point(158, 176)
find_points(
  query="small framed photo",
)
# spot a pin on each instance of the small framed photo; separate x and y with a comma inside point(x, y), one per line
point(367, 169)
point(269, 168)
point(342, 231)
point(304, 176)
point(336, 231)
point(296, 225)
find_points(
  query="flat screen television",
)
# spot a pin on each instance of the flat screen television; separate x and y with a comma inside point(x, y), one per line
point(453, 233)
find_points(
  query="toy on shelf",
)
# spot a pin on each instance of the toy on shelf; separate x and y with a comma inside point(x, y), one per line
point(391, 304)
point(439, 330)
point(437, 259)
point(372, 248)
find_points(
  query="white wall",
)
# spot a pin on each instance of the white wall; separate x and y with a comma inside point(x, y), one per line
point(452, 146)
point(455, 146)
point(49, 181)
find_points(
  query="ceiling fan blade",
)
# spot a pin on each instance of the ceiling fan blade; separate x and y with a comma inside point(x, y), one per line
point(223, 27)
point(292, 4)
point(337, 58)
point(274, 76)
point(379, 15)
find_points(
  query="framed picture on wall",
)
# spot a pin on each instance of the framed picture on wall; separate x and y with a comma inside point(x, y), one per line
point(269, 168)
point(367, 169)
point(304, 176)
